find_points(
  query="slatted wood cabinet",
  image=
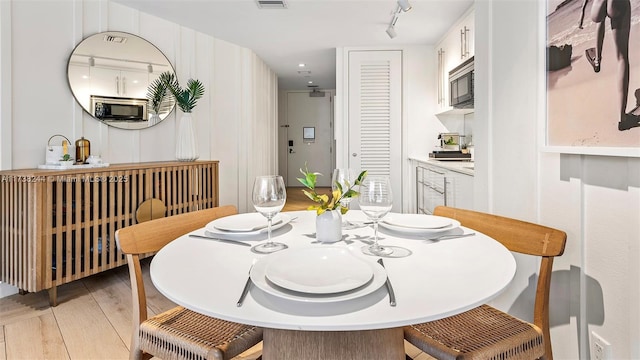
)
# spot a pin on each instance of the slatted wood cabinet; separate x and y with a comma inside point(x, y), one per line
point(57, 226)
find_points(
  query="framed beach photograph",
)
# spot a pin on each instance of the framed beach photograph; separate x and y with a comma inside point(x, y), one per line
point(593, 77)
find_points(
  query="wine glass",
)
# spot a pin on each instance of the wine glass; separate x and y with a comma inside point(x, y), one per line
point(269, 196)
point(346, 178)
point(376, 201)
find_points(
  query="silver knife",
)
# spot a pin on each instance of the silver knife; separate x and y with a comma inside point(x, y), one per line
point(451, 236)
point(392, 295)
point(245, 290)
point(218, 239)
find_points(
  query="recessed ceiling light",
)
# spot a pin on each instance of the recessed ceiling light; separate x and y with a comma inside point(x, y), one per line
point(302, 65)
point(310, 82)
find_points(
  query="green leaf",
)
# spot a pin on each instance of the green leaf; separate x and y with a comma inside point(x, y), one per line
point(361, 177)
point(186, 98)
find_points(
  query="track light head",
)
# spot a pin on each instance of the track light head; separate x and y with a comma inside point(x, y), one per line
point(391, 31)
point(404, 5)
point(92, 61)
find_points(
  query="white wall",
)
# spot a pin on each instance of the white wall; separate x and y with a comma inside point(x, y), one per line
point(595, 199)
point(236, 120)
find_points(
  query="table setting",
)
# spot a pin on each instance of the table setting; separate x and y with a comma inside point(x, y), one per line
point(435, 268)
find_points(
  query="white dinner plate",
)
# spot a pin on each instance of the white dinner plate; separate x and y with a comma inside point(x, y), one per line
point(325, 270)
point(453, 224)
point(251, 219)
point(418, 221)
point(259, 279)
point(244, 222)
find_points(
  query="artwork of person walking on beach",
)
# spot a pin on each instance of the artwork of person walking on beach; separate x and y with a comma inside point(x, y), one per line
point(590, 99)
point(619, 12)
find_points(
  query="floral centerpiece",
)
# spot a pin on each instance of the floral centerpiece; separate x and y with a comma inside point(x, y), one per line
point(324, 202)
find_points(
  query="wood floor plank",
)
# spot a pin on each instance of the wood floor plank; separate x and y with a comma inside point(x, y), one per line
point(114, 298)
point(87, 332)
point(3, 351)
point(155, 300)
point(18, 307)
point(44, 340)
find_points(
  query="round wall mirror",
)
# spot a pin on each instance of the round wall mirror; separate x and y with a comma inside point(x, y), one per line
point(111, 74)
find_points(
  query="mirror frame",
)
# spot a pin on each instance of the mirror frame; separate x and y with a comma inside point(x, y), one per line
point(94, 54)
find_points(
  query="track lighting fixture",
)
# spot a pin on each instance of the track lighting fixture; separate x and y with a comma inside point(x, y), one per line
point(391, 31)
point(403, 6)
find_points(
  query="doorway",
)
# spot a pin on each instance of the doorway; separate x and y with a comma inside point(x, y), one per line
point(306, 136)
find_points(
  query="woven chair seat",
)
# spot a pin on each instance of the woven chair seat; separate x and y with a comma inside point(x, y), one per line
point(183, 334)
point(482, 333)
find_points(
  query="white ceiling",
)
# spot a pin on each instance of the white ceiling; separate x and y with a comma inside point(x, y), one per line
point(308, 31)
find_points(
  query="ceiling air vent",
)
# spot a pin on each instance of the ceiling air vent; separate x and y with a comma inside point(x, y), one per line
point(115, 39)
point(271, 4)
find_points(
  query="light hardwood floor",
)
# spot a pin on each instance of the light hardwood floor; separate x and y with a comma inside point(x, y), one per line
point(93, 317)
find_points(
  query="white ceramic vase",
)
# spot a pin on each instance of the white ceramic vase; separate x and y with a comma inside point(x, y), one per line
point(186, 146)
point(329, 226)
point(154, 119)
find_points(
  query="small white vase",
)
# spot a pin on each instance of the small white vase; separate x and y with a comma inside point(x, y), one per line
point(186, 146)
point(154, 119)
point(329, 226)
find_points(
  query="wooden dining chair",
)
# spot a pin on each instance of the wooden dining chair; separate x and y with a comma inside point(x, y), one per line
point(178, 333)
point(485, 332)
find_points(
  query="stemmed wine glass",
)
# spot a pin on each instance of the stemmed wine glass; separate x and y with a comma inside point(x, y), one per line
point(376, 201)
point(269, 196)
point(346, 178)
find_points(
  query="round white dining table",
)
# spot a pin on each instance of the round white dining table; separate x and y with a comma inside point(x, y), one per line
point(440, 278)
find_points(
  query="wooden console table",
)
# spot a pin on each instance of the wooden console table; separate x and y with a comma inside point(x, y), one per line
point(57, 226)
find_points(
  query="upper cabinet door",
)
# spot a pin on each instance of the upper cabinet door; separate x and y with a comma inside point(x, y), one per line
point(467, 36)
point(454, 48)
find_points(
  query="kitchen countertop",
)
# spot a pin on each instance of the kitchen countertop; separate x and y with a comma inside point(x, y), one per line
point(463, 167)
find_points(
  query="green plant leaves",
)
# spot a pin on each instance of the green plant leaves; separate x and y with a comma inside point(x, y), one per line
point(187, 97)
point(158, 95)
point(324, 203)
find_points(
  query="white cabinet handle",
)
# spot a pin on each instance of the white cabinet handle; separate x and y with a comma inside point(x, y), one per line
point(124, 85)
point(461, 44)
point(118, 85)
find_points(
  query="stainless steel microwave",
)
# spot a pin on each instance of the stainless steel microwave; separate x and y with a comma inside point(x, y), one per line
point(461, 85)
point(119, 109)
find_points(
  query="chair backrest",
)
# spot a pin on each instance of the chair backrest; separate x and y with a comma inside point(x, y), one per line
point(151, 236)
point(522, 237)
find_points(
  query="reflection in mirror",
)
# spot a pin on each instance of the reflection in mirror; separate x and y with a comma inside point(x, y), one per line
point(109, 74)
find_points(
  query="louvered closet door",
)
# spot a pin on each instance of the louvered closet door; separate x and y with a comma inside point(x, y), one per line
point(375, 116)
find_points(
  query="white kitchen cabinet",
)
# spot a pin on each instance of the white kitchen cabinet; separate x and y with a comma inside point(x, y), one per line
point(437, 185)
point(462, 190)
point(454, 48)
point(119, 83)
point(467, 36)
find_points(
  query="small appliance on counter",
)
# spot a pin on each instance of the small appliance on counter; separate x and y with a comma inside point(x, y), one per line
point(449, 148)
point(55, 154)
